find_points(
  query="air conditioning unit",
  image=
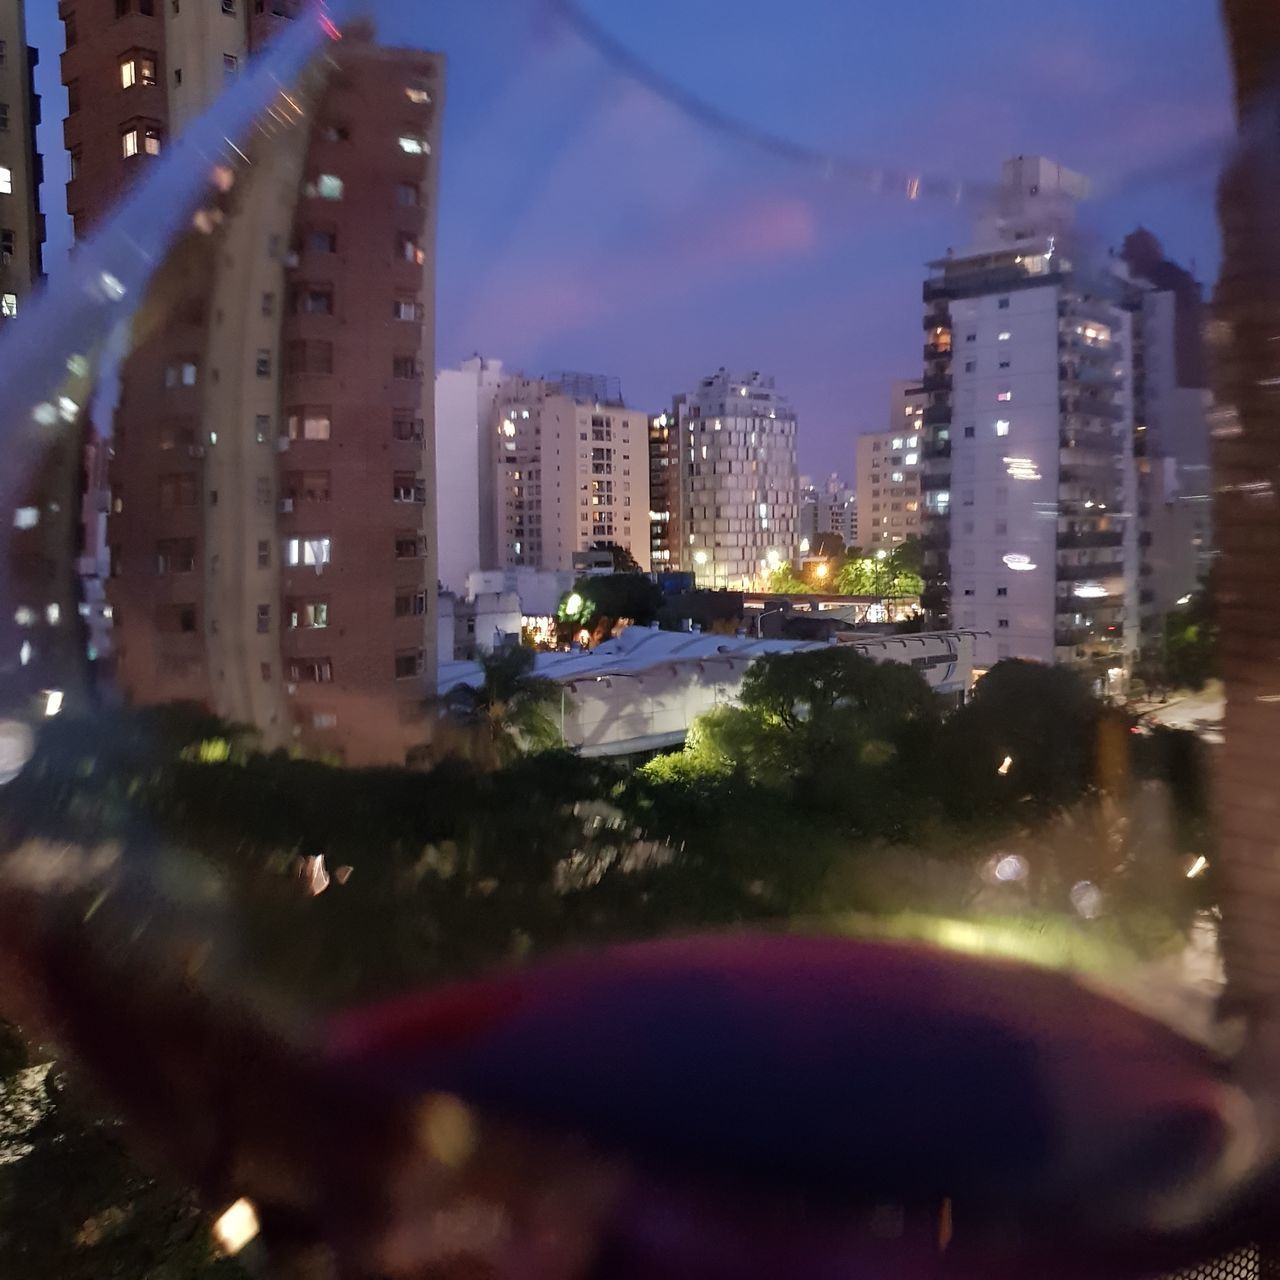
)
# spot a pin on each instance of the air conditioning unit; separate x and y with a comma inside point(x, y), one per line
point(286, 506)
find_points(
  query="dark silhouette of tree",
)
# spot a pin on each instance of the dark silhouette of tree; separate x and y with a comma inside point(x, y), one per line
point(509, 711)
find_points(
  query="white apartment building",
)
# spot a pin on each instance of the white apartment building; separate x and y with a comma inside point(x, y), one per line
point(739, 479)
point(569, 474)
point(832, 508)
point(889, 468)
point(464, 468)
point(1029, 479)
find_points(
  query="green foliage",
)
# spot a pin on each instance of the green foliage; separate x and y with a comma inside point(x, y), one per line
point(604, 601)
point(510, 711)
point(1191, 643)
point(784, 581)
point(1043, 719)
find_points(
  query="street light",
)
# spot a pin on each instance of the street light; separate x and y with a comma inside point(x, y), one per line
point(699, 558)
point(573, 605)
point(773, 558)
point(821, 569)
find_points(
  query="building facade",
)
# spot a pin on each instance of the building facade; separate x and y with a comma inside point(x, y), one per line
point(1029, 483)
point(740, 485)
point(666, 551)
point(272, 534)
point(464, 468)
point(1171, 439)
point(830, 508)
point(570, 473)
point(889, 502)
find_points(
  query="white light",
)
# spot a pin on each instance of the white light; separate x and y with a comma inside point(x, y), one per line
point(1004, 336)
point(699, 557)
point(237, 1227)
point(1197, 867)
point(1022, 469)
point(16, 745)
point(52, 702)
point(45, 414)
point(53, 613)
point(1088, 506)
point(111, 286)
point(1184, 599)
point(662, 419)
point(24, 616)
point(1011, 868)
point(67, 408)
point(1090, 591)
point(773, 558)
point(881, 554)
point(804, 546)
point(25, 653)
point(911, 459)
point(1086, 897)
point(1019, 563)
point(1005, 765)
point(26, 517)
point(78, 366)
point(413, 146)
point(764, 508)
point(1002, 426)
point(573, 605)
point(524, 413)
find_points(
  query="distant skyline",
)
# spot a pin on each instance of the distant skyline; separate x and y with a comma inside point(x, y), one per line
point(587, 224)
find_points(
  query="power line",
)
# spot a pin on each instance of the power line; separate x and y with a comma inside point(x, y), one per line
point(828, 165)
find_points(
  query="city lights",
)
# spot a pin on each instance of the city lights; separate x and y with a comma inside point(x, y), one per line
point(1018, 563)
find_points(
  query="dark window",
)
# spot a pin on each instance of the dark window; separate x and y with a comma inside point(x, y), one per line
point(406, 487)
point(264, 555)
point(73, 96)
point(176, 555)
point(1002, 591)
point(411, 604)
point(407, 429)
point(264, 619)
point(408, 664)
point(407, 194)
point(229, 6)
point(322, 241)
point(4, 117)
point(313, 300)
point(1003, 304)
point(1002, 624)
point(405, 367)
point(968, 433)
point(310, 357)
point(311, 671)
point(187, 618)
point(268, 304)
point(263, 363)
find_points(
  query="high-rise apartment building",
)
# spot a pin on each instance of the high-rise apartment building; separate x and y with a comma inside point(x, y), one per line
point(1171, 433)
point(739, 480)
point(889, 470)
point(1029, 479)
point(665, 506)
point(830, 508)
point(571, 471)
point(464, 468)
point(272, 528)
point(21, 169)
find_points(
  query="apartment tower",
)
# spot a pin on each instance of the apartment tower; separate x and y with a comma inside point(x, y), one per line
point(272, 525)
point(1029, 485)
point(571, 471)
point(739, 479)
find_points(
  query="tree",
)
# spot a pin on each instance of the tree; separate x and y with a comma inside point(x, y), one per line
point(508, 712)
point(784, 581)
point(1191, 643)
point(1029, 734)
point(623, 560)
point(600, 604)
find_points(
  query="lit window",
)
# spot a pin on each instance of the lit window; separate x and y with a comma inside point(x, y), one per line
point(1004, 335)
point(1004, 396)
point(1002, 427)
point(128, 73)
point(151, 141)
point(912, 441)
point(307, 551)
point(329, 187)
point(8, 304)
point(911, 459)
point(414, 146)
point(907, 411)
point(417, 94)
point(897, 477)
point(897, 443)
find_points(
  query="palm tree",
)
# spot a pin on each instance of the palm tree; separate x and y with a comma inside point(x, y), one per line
point(508, 711)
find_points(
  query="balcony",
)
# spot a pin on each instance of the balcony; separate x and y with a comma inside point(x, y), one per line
point(1086, 375)
point(1096, 351)
point(937, 449)
point(931, 481)
point(937, 320)
point(937, 415)
point(1091, 538)
point(937, 351)
point(1089, 407)
point(937, 382)
point(1089, 572)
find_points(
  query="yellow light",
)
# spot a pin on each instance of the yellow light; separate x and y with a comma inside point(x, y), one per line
point(1197, 867)
point(236, 1227)
point(1005, 765)
point(821, 570)
point(700, 557)
point(573, 604)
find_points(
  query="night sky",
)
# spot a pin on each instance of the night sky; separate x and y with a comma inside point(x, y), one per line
point(586, 223)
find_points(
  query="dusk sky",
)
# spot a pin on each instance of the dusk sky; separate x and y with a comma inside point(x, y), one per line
point(586, 223)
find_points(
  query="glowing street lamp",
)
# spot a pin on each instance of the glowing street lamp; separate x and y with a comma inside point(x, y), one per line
point(699, 558)
point(773, 558)
point(821, 569)
point(573, 605)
